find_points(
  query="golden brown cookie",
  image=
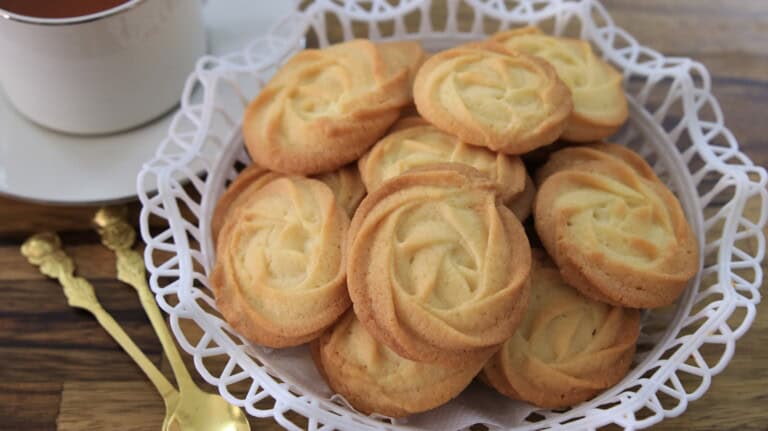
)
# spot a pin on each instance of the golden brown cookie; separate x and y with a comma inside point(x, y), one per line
point(568, 349)
point(345, 183)
point(437, 267)
point(280, 263)
point(325, 107)
point(416, 143)
point(599, 102)
point(492, 97)
point(578, 154)
point(251, 178)
point(615, 231)
point(374, 379)
point(347, 186)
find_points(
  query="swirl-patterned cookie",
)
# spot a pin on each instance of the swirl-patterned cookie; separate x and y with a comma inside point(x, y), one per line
point(437, 267)
point(616, 232)
point(325, 107)
point(416, 143)
point(574, 155)
point(347, 186)
point(568, 347)
point(280, 263)
point(599, 102)
point(251, 178)
point(492, 97)
point(345, 183)
point(374, 379)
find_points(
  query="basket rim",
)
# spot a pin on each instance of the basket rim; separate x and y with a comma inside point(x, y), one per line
point(290, 32)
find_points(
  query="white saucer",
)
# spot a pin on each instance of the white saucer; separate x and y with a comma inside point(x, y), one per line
point(39, 165)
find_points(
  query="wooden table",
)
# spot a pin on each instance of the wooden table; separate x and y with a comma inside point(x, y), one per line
point(59, 370)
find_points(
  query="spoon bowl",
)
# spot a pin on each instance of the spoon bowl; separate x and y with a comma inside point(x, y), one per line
point(200, 411)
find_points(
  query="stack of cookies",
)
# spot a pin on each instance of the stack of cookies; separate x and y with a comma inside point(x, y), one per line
point(386, 220)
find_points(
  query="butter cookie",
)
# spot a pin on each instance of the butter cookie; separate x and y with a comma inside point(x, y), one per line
point(438, 267)
point(492, 97)
point(325, 107)
point(374, 379)
point(251, 178)
point(280, 263)
point(599, 102)
point(568, 348)
point(415, 142)
point(616, 232)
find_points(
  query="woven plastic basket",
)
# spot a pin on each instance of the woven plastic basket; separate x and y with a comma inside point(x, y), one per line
point(675, 123)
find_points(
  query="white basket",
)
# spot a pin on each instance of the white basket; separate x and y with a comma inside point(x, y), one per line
point(675, 123)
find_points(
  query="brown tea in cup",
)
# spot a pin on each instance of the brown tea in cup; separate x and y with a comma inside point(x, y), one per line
point(58, 8)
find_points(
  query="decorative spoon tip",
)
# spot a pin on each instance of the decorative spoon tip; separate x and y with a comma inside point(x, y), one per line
point(113, 227)
point(40, 245)
point(110, 215)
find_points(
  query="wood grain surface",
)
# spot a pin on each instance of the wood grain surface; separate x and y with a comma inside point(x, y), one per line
point(59, 370)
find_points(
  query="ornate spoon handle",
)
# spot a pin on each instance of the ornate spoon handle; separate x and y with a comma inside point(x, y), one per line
point(44, 250)
point(118, 235)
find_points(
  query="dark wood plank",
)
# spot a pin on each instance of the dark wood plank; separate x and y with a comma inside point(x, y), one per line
point(39, 364)
point(93, 260)
point(102, 406)
point(18, 218)
point(31, 406)
point(42, 338)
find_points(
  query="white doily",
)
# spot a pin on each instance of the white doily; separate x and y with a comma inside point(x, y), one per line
point(675, 123)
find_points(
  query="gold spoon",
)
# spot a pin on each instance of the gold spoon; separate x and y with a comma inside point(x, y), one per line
point(44, 250)
point(196, 409)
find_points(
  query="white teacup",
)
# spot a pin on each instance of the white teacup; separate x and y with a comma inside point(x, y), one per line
point(104, 72)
